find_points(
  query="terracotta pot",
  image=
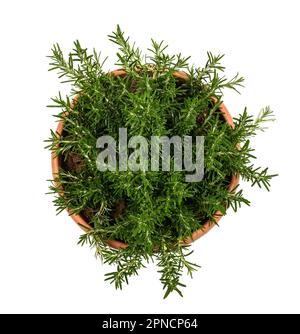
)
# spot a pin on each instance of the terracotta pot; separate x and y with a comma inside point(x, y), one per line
point(56, 164)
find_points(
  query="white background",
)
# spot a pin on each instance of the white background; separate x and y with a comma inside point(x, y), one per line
point(251, 262)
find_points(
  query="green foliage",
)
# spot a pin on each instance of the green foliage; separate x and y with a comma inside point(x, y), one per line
point(154, 211)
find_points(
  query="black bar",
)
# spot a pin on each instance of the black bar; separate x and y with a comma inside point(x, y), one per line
point(133, 323)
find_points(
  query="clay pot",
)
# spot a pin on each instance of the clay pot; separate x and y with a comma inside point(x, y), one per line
point(56, 165)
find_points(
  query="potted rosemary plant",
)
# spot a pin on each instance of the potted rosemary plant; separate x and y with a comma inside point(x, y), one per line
point(124, 150)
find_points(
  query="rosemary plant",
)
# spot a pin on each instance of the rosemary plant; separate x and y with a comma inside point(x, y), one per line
point(155, 211)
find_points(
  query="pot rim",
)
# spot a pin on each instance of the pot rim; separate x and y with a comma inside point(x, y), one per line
point(80, 221)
